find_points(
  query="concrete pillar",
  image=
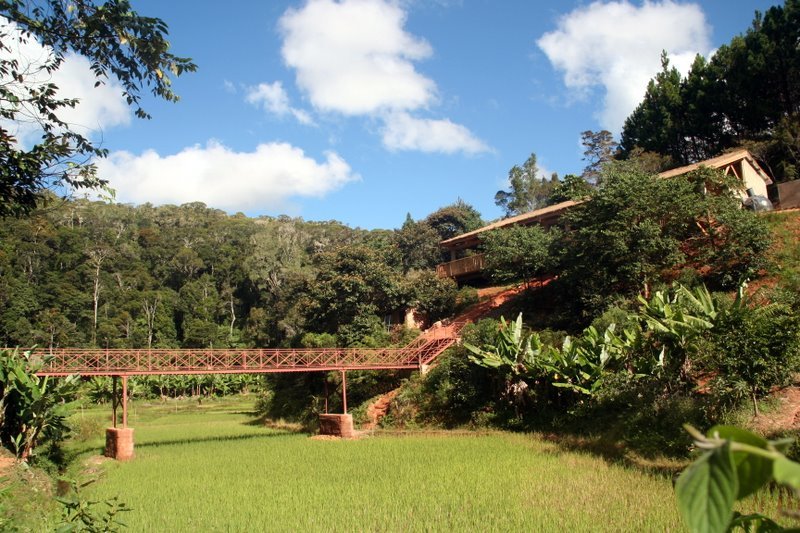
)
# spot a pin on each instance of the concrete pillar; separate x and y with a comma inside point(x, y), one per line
point(119, 443)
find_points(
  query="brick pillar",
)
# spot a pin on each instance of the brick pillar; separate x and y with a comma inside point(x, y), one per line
point(119, 443)
point(337, 425)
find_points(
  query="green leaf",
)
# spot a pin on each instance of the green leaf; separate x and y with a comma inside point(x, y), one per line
point(752, 471)
point(755, 522)
point(787, 472)
point(782, 445)
point(706, 491)
point(739, 435)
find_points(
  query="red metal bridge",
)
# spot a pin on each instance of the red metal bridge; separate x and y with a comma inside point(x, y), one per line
point(142, 362)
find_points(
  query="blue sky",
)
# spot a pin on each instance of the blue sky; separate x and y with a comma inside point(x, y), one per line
point(365, 110)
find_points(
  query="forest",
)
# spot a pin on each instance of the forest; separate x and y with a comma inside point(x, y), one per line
point(82, 273)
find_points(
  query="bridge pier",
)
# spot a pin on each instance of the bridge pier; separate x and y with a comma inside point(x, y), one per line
point(338, 425)
point(119, 441)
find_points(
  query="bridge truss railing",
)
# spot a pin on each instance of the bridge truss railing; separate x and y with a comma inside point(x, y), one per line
point(156, 361)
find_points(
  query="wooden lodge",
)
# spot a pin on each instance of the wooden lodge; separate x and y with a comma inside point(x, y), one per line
point(466, 263)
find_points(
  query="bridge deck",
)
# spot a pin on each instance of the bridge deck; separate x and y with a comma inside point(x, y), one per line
point(139, 362)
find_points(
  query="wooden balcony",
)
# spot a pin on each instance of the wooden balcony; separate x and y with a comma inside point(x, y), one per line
point(461, 268)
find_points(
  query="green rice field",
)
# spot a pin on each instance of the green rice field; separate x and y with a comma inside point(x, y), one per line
point(213, 467)
point(210, 468)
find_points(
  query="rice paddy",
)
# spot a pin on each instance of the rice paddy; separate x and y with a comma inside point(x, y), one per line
point(210, 468)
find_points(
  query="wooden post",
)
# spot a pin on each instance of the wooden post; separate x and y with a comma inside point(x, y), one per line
point(344, 392)
point(124, 401)
point(114, 401)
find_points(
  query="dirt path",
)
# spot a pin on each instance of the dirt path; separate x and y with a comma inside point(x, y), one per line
point(785, 417)
point(378, 409)
point(491, 298)
point(6, 464)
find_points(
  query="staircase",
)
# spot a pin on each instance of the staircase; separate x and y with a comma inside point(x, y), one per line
point(433, 341)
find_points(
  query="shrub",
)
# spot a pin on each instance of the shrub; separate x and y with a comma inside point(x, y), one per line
point(434, 297)
point(465, 297)
point(756, 348)
point(33, 410)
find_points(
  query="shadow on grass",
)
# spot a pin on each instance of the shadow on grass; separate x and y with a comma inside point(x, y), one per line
point(280, 425)
point(217, 438)
point(615, 453)
point(281, 430)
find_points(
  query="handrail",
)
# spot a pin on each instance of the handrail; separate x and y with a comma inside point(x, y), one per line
point(461, 267)
point(159, 361)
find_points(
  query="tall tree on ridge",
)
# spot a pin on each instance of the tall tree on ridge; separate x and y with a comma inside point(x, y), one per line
point(527, 189)
point(600, 148)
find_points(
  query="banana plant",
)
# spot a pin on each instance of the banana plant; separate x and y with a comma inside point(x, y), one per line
point(580, 364)
point(511, 352)
point(676, 321)
point(39, 405)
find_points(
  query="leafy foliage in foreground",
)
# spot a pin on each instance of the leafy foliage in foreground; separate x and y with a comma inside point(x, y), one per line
point(647, 360)
point(89, 516)
point(33, 409)
point(119, 44)
point(734, 464)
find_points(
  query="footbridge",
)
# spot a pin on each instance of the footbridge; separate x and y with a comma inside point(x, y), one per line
point(120, 364)
point(142, 362)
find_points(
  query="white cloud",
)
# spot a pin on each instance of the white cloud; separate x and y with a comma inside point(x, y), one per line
point(617, 45)
point(222, 178)
point(354, 57)
point(273, 99)
point(98, 108)
point(404, 132)
point(229, 86)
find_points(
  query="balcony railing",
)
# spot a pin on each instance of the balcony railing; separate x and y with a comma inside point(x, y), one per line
point(461, 267)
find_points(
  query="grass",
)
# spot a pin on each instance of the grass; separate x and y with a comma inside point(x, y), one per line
point(212, 467)
point(208, 468)
point(785, 252)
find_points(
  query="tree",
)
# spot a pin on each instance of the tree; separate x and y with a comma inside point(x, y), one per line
point(119, 44)
point(417, 244)
point(527, 190)
point(431, 295)
point(572, 187)
point(600, 149)
point(747, 94)
point(640, 229)
point(352, 281)
point(655, 123)
point(519, 252)
point(454, 219)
